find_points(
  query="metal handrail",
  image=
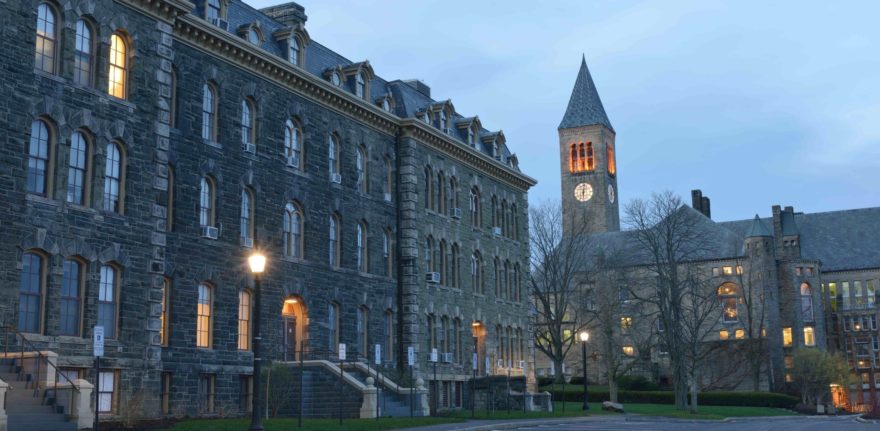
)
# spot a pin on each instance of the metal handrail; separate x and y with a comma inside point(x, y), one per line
point(40, 356)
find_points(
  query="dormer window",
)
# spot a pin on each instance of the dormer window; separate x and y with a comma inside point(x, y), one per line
point(336, 79)
point(294, 51)
point(386, 105)
point(253, 36)
point(426, 117)
point(360, 85)
point(470, 137)
point(443, 120)
point(212, 11)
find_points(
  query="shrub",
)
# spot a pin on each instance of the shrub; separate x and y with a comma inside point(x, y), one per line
point(637, 383)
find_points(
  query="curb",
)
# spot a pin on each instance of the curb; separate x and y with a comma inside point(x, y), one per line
point(517, 424)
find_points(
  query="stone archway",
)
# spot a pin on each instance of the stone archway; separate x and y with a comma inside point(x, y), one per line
point(295, 324)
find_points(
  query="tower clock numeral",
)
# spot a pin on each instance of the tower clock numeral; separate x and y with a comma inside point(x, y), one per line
point(583, 192)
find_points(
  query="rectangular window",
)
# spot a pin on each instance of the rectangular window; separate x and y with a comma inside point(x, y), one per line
point(832, 293)
point(626, 323)
point(206, 392)
point(739, 270)
point(727, 270)
point(246, 400)
point(723, 334)
point(788, 361)
point(809, 271)
point(859, 295)
point(204, 317)
point(629, 351)
point(844, 293)
point(71, 282)
point(244, 320)
point(333, 325)
point(872, 294)
point(165, 318)
point(716, 272)
point(809, 337)
point(166, 393)
point(107, 301)
point(798, 271)
point(740, 334)
point(786, 337)
point(107, 385)
point(789, 378)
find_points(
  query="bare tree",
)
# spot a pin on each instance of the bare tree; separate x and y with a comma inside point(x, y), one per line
point(668, 236)
point(700, 321)
point(558, 262)
point(749, 276)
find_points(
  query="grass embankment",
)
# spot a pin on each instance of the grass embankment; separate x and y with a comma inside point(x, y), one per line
point(287, 424)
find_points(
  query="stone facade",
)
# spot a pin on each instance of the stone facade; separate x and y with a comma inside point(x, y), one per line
point(162, 254)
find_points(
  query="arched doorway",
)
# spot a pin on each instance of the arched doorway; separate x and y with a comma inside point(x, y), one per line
point(295, 327)
point(478, 331)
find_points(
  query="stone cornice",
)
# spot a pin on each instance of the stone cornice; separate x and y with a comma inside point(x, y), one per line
point(201, 35)
point(470, 156)
point(166, 10)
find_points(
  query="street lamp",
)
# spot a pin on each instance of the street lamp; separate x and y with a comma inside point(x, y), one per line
point(584, 336)
point(257, 263)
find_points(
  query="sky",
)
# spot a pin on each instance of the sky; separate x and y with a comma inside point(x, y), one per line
point(757, 103)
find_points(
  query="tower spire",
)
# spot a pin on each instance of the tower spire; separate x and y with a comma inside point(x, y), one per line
point(584, 107)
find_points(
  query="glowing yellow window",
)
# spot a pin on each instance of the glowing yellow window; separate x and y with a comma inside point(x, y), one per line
point(626, 323)
point(739, 270)
point(727, 270)
point(118, 67)
point(629, 350)
point(786, 337)
point(809, 337)
point(740, 334)
point(723, 335)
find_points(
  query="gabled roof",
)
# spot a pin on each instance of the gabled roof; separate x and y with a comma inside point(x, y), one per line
point(584, 107)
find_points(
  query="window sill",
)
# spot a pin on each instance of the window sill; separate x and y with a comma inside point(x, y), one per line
point(32, 197)
point(43, 74)
point(212, 143)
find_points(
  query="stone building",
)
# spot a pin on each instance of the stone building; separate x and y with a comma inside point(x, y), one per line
point(817, 275)
point(151, 147)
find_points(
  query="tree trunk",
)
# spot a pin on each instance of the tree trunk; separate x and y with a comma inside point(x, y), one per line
point(694, 394)
point(612, 388)
point(557, 368)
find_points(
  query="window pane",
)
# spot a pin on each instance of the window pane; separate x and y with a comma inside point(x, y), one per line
point(82, 66)
point(118, 64)
point(203, 321)
point(107, 301)
point(112, 178)
point(70, 303)
point(45, 44)
point(76, 174)
point(30, 293)
point(38, 158)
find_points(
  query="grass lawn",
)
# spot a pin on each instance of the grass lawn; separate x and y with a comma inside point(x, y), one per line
point(287, 424)
point(705, 412)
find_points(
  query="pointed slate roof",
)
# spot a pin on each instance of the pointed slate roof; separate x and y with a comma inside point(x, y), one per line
point(584, 107)
point(758, 229)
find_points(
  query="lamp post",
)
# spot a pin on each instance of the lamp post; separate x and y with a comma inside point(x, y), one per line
point(257, 262)
point(585, 336)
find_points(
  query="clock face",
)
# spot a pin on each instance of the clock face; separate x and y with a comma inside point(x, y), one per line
point(583, 192)
point(610, 193)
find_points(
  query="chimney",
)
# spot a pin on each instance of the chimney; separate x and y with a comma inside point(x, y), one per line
point(700, 202)
point(705, 207)
point(290, 14)
point(420, 86)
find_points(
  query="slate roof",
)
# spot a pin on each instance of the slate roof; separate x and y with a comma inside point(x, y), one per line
point(758, 229)
point(584, 107)
point(318, 58)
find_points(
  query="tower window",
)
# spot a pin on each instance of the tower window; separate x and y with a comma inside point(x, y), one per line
point(581, 157)
point(609, 156)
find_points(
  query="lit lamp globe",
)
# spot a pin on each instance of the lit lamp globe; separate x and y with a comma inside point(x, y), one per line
point(584, 336)
point(257, 263)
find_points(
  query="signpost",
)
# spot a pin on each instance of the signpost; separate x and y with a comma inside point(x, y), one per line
point(474, 362)
point(436, 385)
point(98, 351)
point(378, 360)
point(411, 361)
point(341, 377)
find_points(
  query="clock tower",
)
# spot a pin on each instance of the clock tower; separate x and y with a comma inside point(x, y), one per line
point(587, 162)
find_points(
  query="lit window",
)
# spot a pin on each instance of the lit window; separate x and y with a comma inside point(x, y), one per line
point(362, 257)
point(244, 320)
point(727, 270)
point(107, 291)
point(807, 302)
point(629, 350)
point(118, 67)
point(46, 39)
point(739, 270)
point(786, 337)
point(30, 293)
point(71, 293)
point(360, 85)
point(248, 124)
point(789, 378)
point(77, 177)
point(293, 228)
point(113, 185)
point(247, 217)
point(209, 113)
point(165, 317)
point(38, 175)
point(727, 294)
point(204, 316)
point(809, 337)
point(82, 57)
point(740, 334)
point(293, 144)
point(294, 51)
point(723, 334)
point(206, 202)
point(580, 157)
point(609, 155)
point(626, 323)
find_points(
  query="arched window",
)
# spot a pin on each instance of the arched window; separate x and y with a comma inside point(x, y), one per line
point(333, 155)
point(505, 226)
point(505, 281)
point(46, 50)
point(496, 265)
point(118, 74)
point(514, 222)
point(207, 196)
point(293, 228)
point(807, 302)
point(496, 222)
point(172, 114)
point(253, 36)
point(333, 325)
point(165, 317)
point(361, 166)
point(362, 255)
point(82, 57)
point(387, 185)
point(387, 252)
point(362, 320)
point(334, 240)
point(72, 282)
point(477, 272)
point(573, 158)
point(429, 179)
point(441, 260)
point(455, 275)
point(247, 217)
point(388, 336)
point(590, 159)
point(77, 172)
point(244, 320)
point(452, 195)
point(248, 125)
point(108, 292)
point(728, 294)
point(294, 51)
point(426, 117)
point(205, 316)
point(169, 213)
point(39, 153)
point(440, 193)
point(476, 213)
point(609, 155)
point(209, 112)
point(360, 85)
point(429, 254)
point(517, 292)
point(31, 292)
point(293, 144)
point(114, 178)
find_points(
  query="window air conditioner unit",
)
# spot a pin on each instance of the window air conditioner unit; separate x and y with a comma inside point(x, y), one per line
point(293, 161)
point(433, 277)
point(222, 23)
point(522, 365)
point(336, 178)
point(496, 230)
point(387, 197)
point(456, 213)
point(447, 357)
point(250, 148)
point(247, 242)
point(210, 232)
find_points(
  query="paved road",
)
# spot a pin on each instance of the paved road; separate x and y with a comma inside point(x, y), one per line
point(756, 424)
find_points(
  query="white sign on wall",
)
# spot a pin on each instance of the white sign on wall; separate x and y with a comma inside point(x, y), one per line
point(410, 356)
point(434, 355)
point(474, 361)
point(378, 359)
point(341, 351)
point(98, 342)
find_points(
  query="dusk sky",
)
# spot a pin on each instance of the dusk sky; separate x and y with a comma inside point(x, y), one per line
point(755, 103)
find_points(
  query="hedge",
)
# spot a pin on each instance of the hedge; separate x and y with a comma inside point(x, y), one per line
point(750, 399)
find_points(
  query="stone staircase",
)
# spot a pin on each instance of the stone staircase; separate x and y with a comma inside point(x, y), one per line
point(30, 408)
point(391, 403)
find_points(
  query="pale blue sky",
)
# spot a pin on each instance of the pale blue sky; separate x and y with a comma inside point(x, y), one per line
point(756, 103)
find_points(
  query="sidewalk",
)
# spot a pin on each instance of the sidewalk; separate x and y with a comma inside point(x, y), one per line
point(503, 424)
